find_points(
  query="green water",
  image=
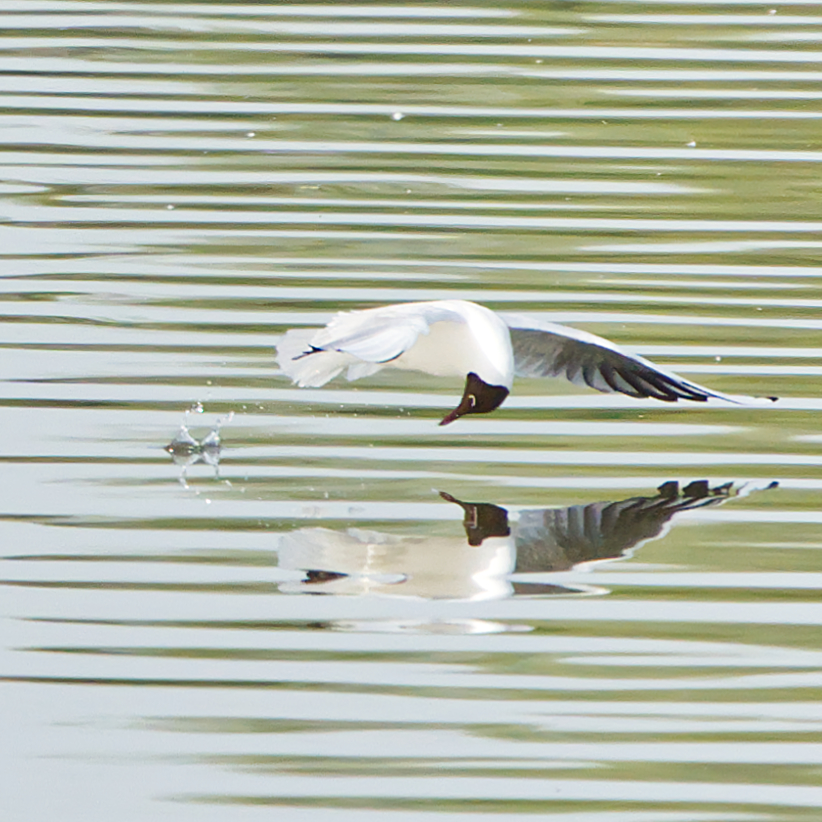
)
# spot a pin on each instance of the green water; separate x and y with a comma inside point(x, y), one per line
point(300, 624)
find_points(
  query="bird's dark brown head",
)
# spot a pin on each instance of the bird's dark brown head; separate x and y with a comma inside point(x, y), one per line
point(478, 398)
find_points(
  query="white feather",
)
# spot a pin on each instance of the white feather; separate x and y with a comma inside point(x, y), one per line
point(308, 371)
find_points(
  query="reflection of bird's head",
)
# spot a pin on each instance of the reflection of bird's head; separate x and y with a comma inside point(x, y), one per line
point(478, 398)
point(481, 520)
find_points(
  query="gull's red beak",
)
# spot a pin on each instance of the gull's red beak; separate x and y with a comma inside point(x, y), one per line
point(451, 416)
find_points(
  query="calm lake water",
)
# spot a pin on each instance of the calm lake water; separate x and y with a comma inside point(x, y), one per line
point(342, 611)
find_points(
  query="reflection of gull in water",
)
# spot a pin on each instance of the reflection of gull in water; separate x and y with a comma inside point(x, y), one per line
point(478, 565)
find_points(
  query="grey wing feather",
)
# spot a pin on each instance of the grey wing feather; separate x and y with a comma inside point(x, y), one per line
point(544, 349)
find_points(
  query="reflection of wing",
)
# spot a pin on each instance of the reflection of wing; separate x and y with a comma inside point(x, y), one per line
point(545, 349)
point(556, 539)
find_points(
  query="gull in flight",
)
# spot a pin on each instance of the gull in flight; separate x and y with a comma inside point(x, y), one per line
point(457, 338)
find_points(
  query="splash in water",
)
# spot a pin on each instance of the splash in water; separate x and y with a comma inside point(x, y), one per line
point(187, 450)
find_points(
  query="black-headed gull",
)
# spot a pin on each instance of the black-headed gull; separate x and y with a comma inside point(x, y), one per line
point(457, 338)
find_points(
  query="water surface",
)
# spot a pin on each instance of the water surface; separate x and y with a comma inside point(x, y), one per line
point(343, 610)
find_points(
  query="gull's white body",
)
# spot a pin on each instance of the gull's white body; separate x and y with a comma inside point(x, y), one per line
point(445, 338)
point(452, 349)
point(457, 338)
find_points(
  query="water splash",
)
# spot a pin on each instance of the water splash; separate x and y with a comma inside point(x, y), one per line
point(186, 450)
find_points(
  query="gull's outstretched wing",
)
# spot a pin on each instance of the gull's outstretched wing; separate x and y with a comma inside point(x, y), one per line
point(363, 341)
point(545, 349)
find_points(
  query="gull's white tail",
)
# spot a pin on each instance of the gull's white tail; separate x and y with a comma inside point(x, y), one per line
point(306, 368)
point(310, 367)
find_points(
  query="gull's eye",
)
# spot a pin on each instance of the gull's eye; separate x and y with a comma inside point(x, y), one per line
point(472, 400)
